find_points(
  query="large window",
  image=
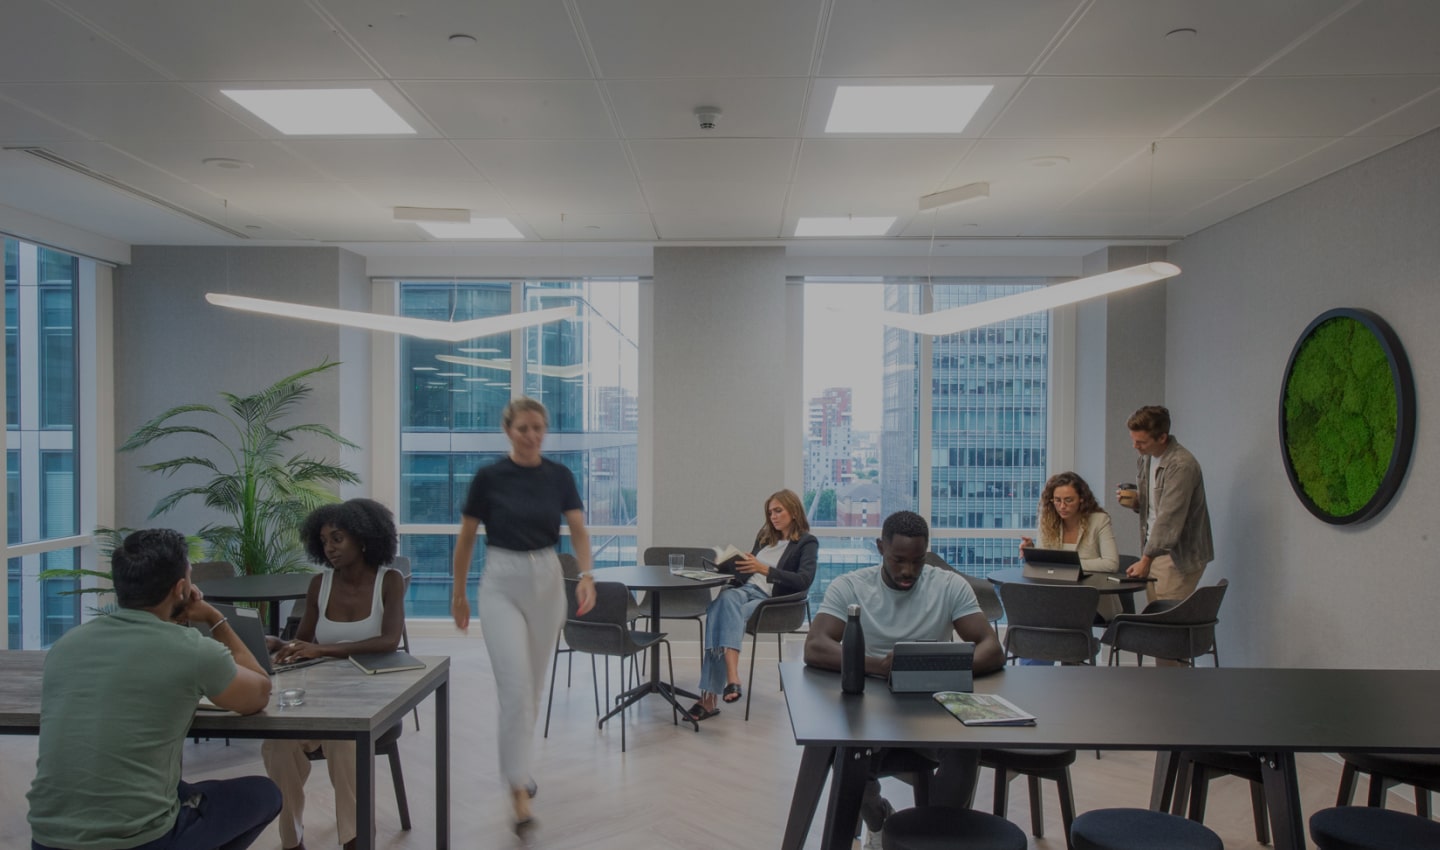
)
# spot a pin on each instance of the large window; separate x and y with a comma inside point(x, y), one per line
point(953, 427)
point(42, 298)
point(584, 369)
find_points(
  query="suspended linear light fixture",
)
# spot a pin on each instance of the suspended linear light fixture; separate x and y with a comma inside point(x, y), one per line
point(403, 325)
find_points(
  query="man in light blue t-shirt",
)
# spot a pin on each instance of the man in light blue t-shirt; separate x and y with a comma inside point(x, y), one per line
point(902, 600)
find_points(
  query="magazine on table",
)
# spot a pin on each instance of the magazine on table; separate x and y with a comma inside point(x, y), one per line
point(984, 709)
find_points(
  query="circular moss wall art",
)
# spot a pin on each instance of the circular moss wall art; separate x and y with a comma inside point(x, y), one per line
point(1347, 416)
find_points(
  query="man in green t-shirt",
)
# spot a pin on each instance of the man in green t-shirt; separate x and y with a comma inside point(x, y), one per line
point(903, 600)
point(118, 696)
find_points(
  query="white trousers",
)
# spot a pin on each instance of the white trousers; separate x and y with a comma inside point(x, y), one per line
point(522, 607)
point(287, 766)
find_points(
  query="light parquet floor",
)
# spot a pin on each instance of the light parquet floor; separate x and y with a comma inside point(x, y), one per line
point(727, 786)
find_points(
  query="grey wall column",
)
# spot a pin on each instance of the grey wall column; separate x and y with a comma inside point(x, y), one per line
point(1120, 367)
point(717, 413)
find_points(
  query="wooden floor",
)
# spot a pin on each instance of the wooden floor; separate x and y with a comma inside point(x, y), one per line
point(728, 786)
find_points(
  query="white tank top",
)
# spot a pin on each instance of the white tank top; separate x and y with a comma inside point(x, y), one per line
point(335, 631)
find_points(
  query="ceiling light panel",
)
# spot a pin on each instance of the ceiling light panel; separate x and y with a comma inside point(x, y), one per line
point(322, 112)
point(905, 108)
point(845, 226)
point(477, 228)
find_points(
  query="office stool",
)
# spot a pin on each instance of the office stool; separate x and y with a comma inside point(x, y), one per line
point(1140, 829)
point(1034, 765)
point(937, 827)
point(1386, 769)
point(1365, 828)
point(1205, 766)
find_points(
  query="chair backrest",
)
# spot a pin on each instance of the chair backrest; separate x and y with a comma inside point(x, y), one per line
point(204, 570)
point(602, 630)
point(569, 565)
point(402, 564)
point(1181, 630)
point(1050, 622)
point(985, 594)
point(1201, 607)
point(780, 615)
point(659, 556)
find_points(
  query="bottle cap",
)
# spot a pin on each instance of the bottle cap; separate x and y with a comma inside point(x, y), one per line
point(854, 610)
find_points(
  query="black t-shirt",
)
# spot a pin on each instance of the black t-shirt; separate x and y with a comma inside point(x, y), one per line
point(521, 506)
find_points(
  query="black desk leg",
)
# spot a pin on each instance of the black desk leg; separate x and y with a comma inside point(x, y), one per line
point(847, 788)
point(809, 782)
point(442, 766)
point(1166, 764)
point(1282, 795)
point(365, 791)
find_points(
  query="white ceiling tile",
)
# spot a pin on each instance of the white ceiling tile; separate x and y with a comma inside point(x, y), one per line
point(630, 226)
point(19, 126)
point(517, 163)
point(480, 197)
point(1004, 162)
point(513, 38)
point(253, 40)
point(1223, 159)
point(1131, 189)
point(1305, 106)
point(133, 110)
point(1419, 117)
point(360, 159)
point(1374, 37)
point(514, 109)
point(850, 197)
point(702, 224)
point(39, 43)
point(1103, 107)
point(1233, 37)
point(267, 160)
point(913, 38)
point(575, 197)
point(754, 160)
point(751, 107)
point(737, 38)
point(917, 165)
point(719, 196)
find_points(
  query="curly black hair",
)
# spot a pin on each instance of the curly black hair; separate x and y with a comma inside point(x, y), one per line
point(146, 566)
point(366, 520)
point(906, 523)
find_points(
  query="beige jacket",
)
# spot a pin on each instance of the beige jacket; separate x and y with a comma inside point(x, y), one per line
point(1181, 528)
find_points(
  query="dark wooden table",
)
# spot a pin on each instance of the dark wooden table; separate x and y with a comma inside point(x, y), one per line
point(1273, 713)
point(340, 702)
point(655, 580)
point(273, 588)
point(1100, 581)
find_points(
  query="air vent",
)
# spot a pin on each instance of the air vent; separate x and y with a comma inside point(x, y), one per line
point(70, 165)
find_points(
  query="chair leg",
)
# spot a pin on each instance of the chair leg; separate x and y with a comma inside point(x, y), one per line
point(922, 788)
point(750, 684)
point(595, 684)
point(1199, 793)
point(1067, 803)
point(1002, 792)
point(1183, 777)
point(1172, 774)
point(670, 660)
point(554, 664)
point(1377, 791)
point(1257, 810)
point(1346, 793)
point(779, 655)
point(398, 777)
point(1422, 800)
point(1037, 807)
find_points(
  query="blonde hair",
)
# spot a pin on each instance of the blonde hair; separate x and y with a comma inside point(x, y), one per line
point(799, 525)
point(523, 404)
point(1052, 531)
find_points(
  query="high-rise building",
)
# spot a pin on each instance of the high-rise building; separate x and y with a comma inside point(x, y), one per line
point(828, 459)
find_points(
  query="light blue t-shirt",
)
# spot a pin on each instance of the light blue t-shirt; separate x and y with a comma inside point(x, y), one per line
point(926, 611)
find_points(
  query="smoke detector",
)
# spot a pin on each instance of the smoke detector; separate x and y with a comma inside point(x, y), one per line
point(706, 115)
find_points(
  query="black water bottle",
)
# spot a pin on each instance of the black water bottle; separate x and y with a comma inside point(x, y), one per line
point(852, 654)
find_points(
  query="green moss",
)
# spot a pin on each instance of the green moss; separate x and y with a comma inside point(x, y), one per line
point(1340, 416)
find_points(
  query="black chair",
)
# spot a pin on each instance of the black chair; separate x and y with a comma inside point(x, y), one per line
point(604, 631)
point(388, 745)
point(685, 603)
point(1387, 769)
point(1367, 828)
point(1206, 766)
point(935, 827)
point(985, 593)
point(1140, 829)
point(1182, 631)
point(778, 616)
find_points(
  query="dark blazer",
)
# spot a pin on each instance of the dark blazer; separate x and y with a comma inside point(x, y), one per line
point(796, 569)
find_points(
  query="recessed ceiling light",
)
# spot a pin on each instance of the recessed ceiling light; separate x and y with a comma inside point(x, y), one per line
point(477, 228)
point(1181, 34)
point(904, 109)
point(845, 226)
point(1047, 161)
point(462, 39)
point(322, 112)
point(225, 162)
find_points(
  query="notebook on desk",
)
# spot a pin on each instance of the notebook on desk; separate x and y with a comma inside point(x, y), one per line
point(1051, 564)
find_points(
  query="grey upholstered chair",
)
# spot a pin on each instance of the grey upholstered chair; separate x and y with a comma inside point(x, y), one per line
point(686, 603)
point(1182, 630)
point(985, 592)
point(778, 616)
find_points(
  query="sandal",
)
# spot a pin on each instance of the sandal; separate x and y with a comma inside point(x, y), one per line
point(698, 711)
point(732, 693)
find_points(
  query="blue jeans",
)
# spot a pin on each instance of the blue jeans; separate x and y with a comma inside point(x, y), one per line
point(725, 629)
point(221, 814)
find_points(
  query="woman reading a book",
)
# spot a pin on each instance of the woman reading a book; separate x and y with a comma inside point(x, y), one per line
point(521, 499)
point(781, 562)
point(1070, 518)
point(354, 606)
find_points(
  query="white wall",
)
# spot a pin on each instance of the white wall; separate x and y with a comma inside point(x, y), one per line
point(1304, 593)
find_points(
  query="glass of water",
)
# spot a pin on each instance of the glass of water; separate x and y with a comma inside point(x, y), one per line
point(289, 688)
point(677, 564)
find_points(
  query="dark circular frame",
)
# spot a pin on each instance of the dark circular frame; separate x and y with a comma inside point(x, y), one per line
point(1404, 382)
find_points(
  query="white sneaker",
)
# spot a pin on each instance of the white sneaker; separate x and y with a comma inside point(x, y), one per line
point(872, 839)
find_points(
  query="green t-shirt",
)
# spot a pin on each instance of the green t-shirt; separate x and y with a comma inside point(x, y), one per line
point(926, 611)
point(118, 696)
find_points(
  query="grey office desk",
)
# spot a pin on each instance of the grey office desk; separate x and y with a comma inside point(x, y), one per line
point(341, 702)
point(1102, 582)
point(1273, 713)
point(272, 588)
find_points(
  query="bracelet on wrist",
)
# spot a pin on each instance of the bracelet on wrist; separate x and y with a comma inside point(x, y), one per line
point(590, 574)
point(218, 623)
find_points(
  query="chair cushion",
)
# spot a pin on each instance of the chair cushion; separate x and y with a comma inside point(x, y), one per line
point(1139, 829)
point(936, 827)
point(1364, 828)
point(1027, 760)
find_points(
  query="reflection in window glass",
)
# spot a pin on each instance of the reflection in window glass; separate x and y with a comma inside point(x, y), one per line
point(57, 355)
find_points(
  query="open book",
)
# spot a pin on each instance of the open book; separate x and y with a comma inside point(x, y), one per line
point(726, 557)
point(983, 709)
point(387, 662)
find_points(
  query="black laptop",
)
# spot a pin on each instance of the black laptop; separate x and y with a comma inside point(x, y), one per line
point(1052, 564)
